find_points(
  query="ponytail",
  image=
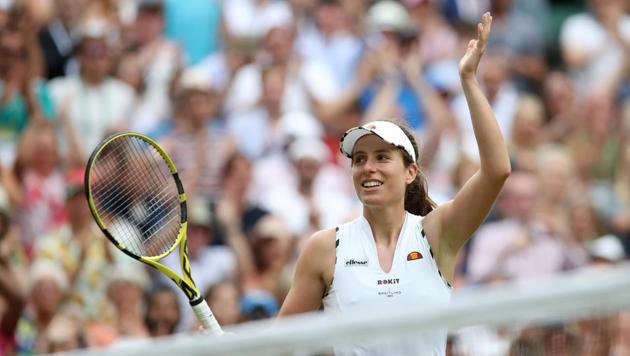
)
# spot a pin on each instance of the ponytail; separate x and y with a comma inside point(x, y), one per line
point(417, 199)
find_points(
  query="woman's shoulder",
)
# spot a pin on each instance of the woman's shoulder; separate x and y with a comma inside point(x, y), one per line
point(322, 241)
point(317, 255)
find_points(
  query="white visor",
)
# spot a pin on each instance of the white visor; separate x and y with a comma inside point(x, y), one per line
point(386, 130)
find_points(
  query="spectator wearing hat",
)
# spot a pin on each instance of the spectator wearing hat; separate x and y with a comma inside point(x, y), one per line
point(64, 333)
point(209, 263)
point(602, 335)
point(263, 270)
point(312, 188)
point(196, 138)
point(81, 250)
point(48, 285)
point(126, 285)
point(92, 104)
point(393, 71)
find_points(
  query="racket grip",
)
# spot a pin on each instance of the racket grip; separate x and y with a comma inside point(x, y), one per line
point(206, 318)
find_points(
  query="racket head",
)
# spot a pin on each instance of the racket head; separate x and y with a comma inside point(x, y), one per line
point(135, 196)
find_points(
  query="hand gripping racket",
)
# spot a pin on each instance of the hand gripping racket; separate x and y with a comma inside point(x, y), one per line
point(138, 201)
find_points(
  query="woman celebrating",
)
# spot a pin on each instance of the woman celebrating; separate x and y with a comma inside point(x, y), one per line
point(385, 258)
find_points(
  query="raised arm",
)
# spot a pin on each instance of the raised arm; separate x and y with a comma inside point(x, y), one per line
point(456, 220)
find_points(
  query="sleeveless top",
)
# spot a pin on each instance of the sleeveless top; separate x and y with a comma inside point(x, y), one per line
point(359, 283)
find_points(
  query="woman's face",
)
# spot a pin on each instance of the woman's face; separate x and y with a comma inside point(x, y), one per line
point(379, 173)
point(164, 311)
point(46, 296)
point(45, 155)
point(224, 302)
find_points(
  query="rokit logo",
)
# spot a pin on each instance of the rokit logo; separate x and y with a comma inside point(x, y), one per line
point(388, 281)
point(353, 262)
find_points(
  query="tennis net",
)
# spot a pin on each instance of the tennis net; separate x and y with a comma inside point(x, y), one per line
point(585, 312)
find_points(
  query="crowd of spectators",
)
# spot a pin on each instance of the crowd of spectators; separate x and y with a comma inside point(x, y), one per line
point(250, 98)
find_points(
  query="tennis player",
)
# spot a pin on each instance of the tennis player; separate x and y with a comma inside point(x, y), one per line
point(402, 250)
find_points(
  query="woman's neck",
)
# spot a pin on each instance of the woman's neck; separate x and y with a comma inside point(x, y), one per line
point(386, 223)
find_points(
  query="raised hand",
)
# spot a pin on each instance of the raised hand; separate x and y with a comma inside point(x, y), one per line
point(470, 61)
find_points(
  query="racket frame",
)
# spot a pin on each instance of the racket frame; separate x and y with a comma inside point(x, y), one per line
point(185, 282)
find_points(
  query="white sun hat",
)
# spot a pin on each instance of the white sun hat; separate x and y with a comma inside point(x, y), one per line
point(386, 130)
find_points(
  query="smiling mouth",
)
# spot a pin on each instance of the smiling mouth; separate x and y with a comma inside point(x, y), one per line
point(371, 184)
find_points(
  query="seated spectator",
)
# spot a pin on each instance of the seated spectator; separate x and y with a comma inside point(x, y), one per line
point(195, 130)
point(63, 334)
point(556, 173)
point(561, 106)
point(525, 137)
point(308, 85)
point(125, 290)
point(41, 192)
point(209, 263)
point(47, 287)
point(92, 104)
point(237, 193)
point(84, 255)
point(149, 65)
point(262, 259)
point(330, 39)
point(224, 301)
point(522, 43)
point(312, 189)
point(162, 311)
point(592, 44)
point(519, 247)
point(24, 95)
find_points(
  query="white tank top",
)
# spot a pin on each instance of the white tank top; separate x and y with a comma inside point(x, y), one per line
point(360, 283)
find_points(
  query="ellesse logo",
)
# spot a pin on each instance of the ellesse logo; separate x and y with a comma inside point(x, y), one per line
point(415, 255)
point(353, 262)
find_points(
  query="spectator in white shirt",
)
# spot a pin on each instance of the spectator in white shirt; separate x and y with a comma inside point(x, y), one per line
point(92, 104)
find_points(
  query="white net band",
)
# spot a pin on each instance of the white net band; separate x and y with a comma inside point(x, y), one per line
point(561, 298)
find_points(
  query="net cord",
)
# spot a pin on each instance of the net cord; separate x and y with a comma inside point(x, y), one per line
point(565, 297)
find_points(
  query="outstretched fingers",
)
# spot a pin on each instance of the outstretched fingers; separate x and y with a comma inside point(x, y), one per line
point(483, 29)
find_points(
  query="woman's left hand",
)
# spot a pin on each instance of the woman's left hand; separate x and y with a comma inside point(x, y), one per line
point(470, 61)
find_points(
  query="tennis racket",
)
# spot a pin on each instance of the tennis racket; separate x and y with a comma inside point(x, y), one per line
point(138, 201)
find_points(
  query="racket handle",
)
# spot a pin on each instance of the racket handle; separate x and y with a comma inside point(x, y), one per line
point(206, 318)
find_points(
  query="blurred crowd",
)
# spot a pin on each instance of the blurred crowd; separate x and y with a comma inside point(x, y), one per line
point(250, 98)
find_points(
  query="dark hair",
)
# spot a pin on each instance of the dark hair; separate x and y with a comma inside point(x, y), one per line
point(417, 199)
point(149, 301)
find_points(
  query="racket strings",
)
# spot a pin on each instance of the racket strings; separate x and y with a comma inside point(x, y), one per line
point(149, 227)
point(134, 193)
point(107, 196)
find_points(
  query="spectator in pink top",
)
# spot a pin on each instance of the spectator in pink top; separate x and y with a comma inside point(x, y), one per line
point(517, 247)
